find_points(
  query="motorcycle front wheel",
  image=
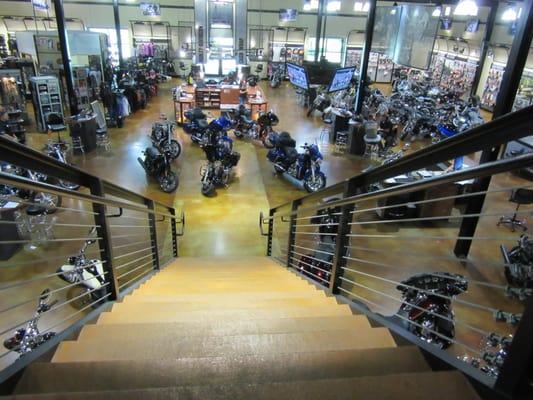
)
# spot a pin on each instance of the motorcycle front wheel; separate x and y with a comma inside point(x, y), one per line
point(175, 148)
point(313, 185)
point(168, 182)
point(208, 189)
point(68, 185)
point(267, 142)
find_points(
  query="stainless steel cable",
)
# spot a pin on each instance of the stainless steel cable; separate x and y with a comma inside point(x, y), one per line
point(47, 240)
point(129, 244)
point(128, 236)
point(475, 351)
point(318, 251)
point(312, 258)
point(136, 277)
point(315, 216)
point(309, 265)
point(54, 224)
point(425, 237)
point(135, 269)
point(451, 299)
point(314, 233)
point(41, 260)
point(395, 267)
point(129, 226)
point(307, 225)
point(132, 253)
point(29, 203)
point(133, 261)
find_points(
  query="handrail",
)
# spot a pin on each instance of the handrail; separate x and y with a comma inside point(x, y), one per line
point(26, 157)
point(496, 132)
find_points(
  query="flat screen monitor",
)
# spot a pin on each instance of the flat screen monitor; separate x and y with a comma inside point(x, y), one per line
point(320, 73)
point(298, 76)
point(288, 14)
point(472, 25)
point(150, 9)
point(341, 80)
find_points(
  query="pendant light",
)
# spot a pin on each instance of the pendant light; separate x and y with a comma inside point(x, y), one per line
point(466, 8)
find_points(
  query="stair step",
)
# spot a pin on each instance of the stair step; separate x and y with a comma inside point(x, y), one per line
point(134, 374)
point(156, 315)
point(225, 304)
point(223, 328)
point(142, 348)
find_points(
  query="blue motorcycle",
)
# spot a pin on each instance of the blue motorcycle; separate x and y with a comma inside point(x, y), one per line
point(198, 125)
point(304, 167)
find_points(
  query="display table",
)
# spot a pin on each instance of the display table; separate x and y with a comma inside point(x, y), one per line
point(340, 122)
point(84, 127)
point(257, 101)
point(180, 106)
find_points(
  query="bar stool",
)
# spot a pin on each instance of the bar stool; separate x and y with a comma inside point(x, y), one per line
point(341, 142)
point(518, 196)
point(77, 145)
point(102, 139)
point(326, 128)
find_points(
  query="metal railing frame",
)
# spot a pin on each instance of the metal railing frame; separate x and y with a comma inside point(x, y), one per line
point(513, 379)
point(123, 199)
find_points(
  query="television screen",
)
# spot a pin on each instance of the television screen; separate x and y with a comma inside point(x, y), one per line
point(446, 24)
point(320, 73)
point(472, 25)
point(150, 9)
point(298, 76)
point(341, 80)
point(287, 14)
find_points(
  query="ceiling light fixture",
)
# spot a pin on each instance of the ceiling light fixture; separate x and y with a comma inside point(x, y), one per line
point(467, 8)
point(310, 5)
point(334, 5)
point(359, 6)
point(511, 14)
point(437, 11)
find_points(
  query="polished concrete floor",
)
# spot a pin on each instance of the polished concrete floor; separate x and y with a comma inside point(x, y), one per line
point(227, 225)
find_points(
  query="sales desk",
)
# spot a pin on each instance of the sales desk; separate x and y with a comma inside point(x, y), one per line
point(407, 203)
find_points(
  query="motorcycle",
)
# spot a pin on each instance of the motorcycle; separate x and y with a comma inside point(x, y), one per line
point(58, 150)
point(304, 166)
point(519, 263)
point(197, 122)
point(220, 160)
point(277, 76)
point(321, 103)
point(88, 273)
point(24, 340)
point(265, 122)
point(162, 137)
point(427, 311)
point(158, 165)
point(243, 125)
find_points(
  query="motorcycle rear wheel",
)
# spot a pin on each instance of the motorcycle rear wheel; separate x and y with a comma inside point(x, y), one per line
point(168, 183)
point(208, 189)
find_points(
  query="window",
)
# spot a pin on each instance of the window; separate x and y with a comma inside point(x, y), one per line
point(112, 37)
point(333, 50)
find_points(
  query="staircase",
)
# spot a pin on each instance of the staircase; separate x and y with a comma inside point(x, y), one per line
point(209, 328)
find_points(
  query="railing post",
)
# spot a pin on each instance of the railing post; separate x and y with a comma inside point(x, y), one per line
point(292, 235)
point(105, 242)
point(270, 231)
point(342, 240)
point(153, 232)
point(174, 232)
point(516, 376)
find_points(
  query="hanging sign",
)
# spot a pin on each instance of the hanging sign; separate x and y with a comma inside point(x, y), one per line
point(40, 5)
point(150, 9)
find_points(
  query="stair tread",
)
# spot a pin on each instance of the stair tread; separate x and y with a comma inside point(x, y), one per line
point(225, 328)
point(116, 348)
point(135, 374)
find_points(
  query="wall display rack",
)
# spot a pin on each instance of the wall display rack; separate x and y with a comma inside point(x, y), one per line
point(451, 72)
point(208, 97)
point(492, 86)
point(287, 45)
point(151, 39)
point(46, 99)
point(12, 95)
point(524, 96)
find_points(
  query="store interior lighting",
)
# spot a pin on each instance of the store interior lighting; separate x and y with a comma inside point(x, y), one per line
point(466, 8)
point(511, 13)
point(334, 5)
point(361, 7)
point(310, 5)
point(394, 6)
point(437, 11)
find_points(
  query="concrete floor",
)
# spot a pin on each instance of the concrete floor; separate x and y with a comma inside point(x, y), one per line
point(227, 225)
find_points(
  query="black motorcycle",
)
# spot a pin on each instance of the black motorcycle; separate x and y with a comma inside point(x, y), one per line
point(24, 340)
point(243, 124)
point(157, 164)
point(427, 309)
point(220, 160)
point(519, 263)
point(162, 137)
point(265, 122)
point(58, 150)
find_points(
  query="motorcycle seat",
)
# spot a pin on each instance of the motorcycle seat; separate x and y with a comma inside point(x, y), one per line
point(202, 124)
point(35, 210)
point(152, 152)
point(291, 153)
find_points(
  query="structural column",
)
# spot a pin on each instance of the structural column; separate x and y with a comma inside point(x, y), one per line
point(360, 96)
point(117, 31)
point(320, 13)
point(65, 55)
point(504, 104)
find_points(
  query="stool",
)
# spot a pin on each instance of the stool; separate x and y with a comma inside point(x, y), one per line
point(77, 144)
point(372, 143)
point(102, 139)
point(341, 142)
point(518, 196)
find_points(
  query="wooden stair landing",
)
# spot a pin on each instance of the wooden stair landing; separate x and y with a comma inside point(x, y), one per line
point(235, 328)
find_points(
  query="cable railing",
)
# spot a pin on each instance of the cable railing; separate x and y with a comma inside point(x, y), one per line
point(67, 254)
point(389, 241)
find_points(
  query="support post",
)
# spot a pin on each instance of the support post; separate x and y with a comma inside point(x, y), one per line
point(369, 33)
point(343, 229)
point(174, 232)
point(65, 55)
point(117, 31)
point(292, 235)
point(318, 34)
point(504, 104)
point(105, 242)
point(153, 233)
point(489, 27)
point(270, 231)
